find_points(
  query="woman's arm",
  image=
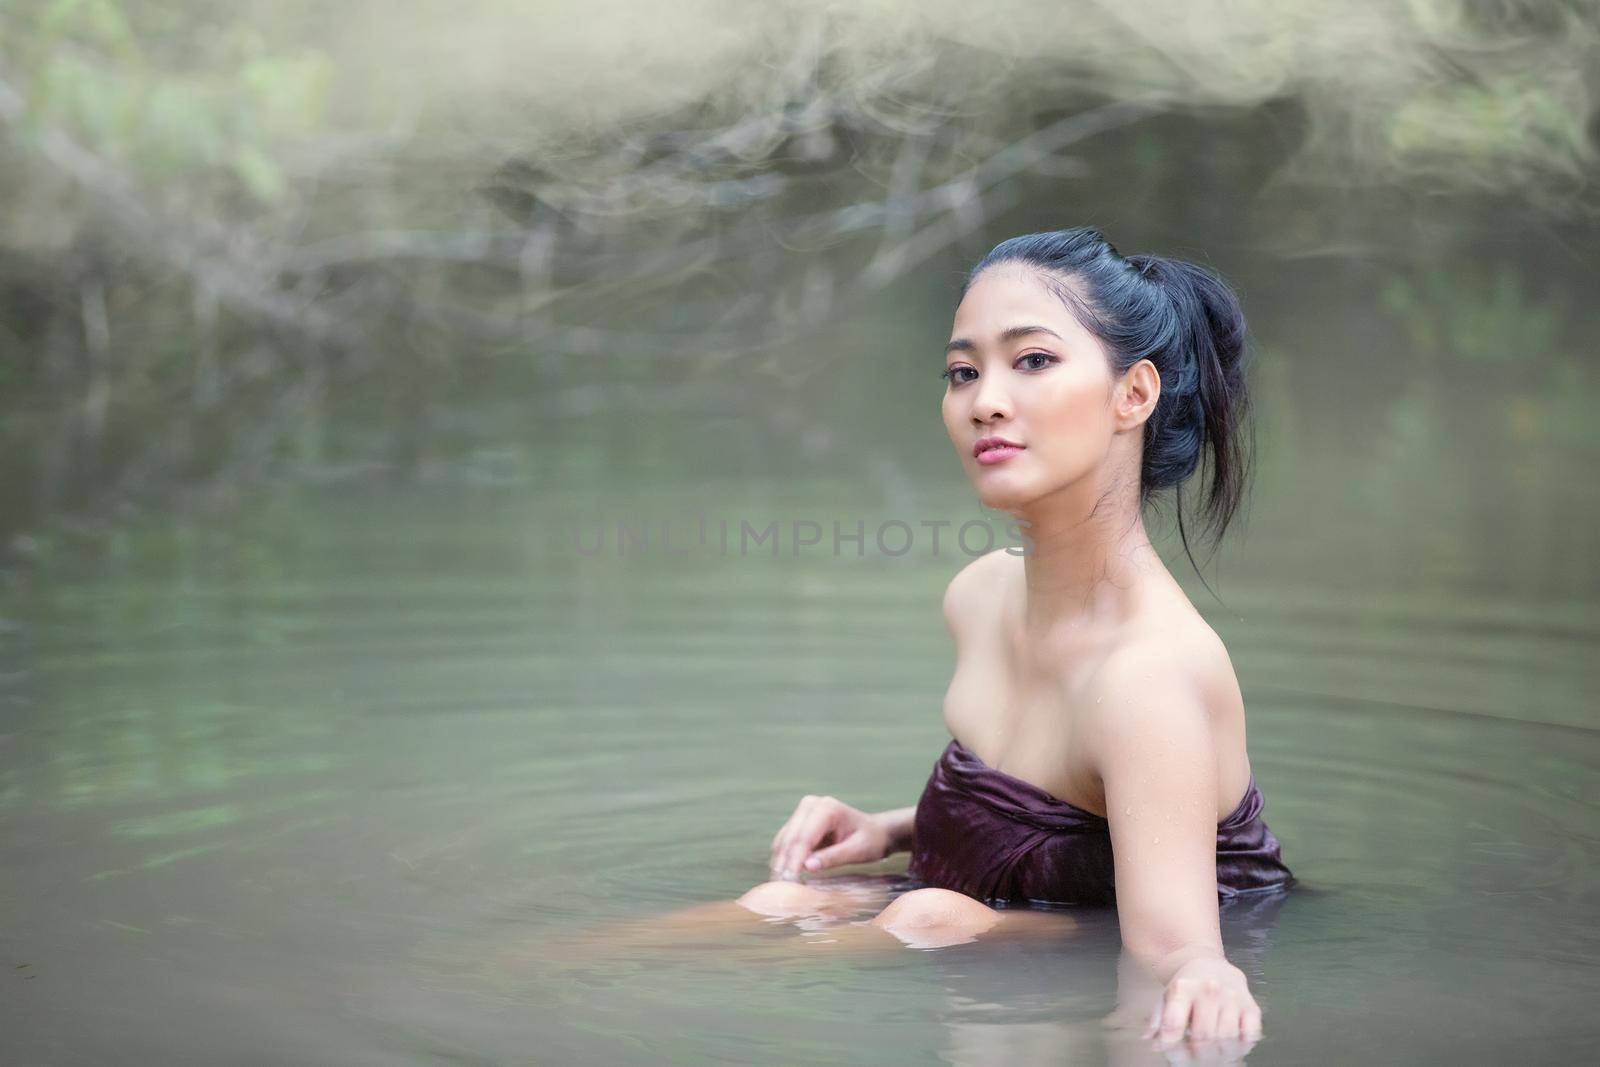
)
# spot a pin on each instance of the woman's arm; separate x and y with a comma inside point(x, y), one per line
point(1152, 743)
point(900, 825)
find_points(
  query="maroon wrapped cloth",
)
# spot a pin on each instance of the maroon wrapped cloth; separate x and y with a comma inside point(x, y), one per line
point(1001, 840)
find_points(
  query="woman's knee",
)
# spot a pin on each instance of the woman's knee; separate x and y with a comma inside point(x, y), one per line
point(936, 915)
point(785, 898)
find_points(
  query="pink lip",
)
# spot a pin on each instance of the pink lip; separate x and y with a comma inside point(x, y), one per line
point(995, 449)
point(999, 454)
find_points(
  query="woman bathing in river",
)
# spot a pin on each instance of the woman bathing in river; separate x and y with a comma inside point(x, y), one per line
point(1098, 734)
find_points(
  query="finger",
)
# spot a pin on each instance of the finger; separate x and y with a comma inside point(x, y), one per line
point(781, 843)
point(822, 829)
point(851, 850)
point(777, 838)
point(796, 831)
point(808, 831)
point(1175, 1015)
point(1155, 1017)
point(1252, 1022)
point(1224, 1023)
point(778, 844)
point(1205, 1015)
point(788, 824)
point(1218, 1049)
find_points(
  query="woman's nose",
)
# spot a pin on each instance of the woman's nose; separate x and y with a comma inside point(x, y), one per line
point(990, 401)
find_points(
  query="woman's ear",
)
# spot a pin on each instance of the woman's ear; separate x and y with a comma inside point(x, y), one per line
point(1136, 395)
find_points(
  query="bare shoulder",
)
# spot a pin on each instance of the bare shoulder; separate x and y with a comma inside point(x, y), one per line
point(975, 590)
point(1172, 678)
point(1182, 652)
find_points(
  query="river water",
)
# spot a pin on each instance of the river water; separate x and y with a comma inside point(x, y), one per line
point(325, 776)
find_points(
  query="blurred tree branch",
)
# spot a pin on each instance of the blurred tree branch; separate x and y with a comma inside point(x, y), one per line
point(285, 304)
point(207, 258)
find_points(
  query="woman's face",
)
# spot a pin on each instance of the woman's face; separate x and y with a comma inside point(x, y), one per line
point(1023, 369)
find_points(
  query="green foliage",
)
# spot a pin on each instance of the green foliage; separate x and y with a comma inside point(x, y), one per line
point(228, 102)
point(1473, 312)
point(1518, 118)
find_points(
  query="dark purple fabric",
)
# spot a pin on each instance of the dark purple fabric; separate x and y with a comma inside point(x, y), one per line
point(999, 839)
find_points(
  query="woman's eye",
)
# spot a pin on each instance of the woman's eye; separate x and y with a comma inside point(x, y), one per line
point(958, 375)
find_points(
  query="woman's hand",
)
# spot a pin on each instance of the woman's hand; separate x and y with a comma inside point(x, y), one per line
point(1210, 998)
point(852, 836)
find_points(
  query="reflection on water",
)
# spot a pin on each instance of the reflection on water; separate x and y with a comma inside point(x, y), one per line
point(319, 777)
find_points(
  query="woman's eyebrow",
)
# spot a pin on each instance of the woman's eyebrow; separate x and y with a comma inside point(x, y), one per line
point(1010, 333)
